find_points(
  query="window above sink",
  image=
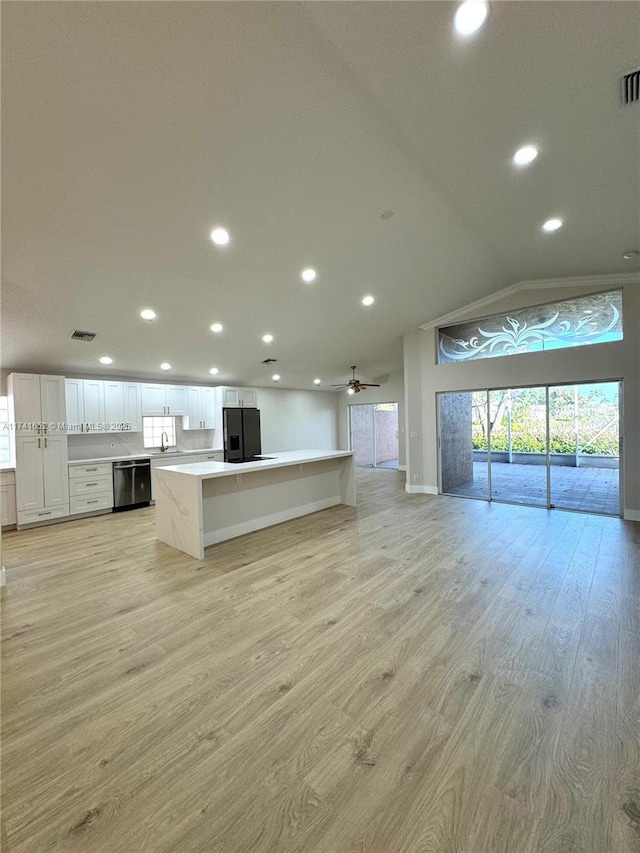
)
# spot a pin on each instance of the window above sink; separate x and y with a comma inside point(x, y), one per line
point(152, 429)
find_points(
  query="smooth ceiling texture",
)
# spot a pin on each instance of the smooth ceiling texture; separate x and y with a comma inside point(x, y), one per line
point(130, 130)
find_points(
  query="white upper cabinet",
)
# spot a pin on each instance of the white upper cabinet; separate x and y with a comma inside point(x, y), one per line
point(200, 408)
point(208, 410)
point(158, 399)
point(36, 402)
point(95, 401)
point(153, 399)
point(230, 397)
point(176, 399)
point(94, 417)
point(74, 392)
point(52, 399)
point(193, 418)
point(113, 404)
point(233, 398)
point(132, 406)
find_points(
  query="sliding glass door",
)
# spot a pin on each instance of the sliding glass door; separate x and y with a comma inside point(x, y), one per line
point(519, 445)
point(549, 446)
point(584, 439)
point(374, 434)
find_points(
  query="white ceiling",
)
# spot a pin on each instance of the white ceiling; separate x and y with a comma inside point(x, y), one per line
point(130, 130)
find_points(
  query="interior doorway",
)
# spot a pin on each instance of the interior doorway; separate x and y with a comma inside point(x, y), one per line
point(553, 446)
point(374, 434)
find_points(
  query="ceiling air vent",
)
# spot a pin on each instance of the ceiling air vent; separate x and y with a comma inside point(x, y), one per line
point(269, 361)
point(77, 335)
point(631, 87)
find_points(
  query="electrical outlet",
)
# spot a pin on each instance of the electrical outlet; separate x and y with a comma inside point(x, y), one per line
point(113, 444)
point(238, 478)
point(416, 477)
point(413, 435)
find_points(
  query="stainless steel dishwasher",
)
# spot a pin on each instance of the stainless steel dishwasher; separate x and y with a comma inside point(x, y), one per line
point(131, 484)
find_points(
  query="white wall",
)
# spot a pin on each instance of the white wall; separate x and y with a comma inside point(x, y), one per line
point(424, 378)
point(297, 420)
point(391, 391)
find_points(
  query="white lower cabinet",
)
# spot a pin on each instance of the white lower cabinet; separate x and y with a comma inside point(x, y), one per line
point(42, 485)
point(79, 486)
point(214, 456)
point(7, 497)
point(90, 487)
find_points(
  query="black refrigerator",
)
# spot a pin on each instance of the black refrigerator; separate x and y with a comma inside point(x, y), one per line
point(242, 441)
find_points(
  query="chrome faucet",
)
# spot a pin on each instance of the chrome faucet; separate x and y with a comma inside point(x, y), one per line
point(164, 446)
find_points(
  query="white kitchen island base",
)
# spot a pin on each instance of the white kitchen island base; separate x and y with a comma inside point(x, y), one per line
point(203, 503)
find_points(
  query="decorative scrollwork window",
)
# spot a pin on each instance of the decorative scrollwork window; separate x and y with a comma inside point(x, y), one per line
point(593, 319)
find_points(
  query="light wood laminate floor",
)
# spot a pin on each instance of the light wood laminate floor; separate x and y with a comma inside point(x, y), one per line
point(414, 674)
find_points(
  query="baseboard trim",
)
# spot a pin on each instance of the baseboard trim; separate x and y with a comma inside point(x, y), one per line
point(402, 467)
point(631, 515)
point(420, 490)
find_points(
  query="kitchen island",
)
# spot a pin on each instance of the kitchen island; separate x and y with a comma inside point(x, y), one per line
point(202, 503)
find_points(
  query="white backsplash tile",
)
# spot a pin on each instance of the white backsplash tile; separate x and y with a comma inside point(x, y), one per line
point(95, 445)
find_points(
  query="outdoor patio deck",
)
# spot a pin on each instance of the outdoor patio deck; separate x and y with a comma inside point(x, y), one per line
point(587, 489)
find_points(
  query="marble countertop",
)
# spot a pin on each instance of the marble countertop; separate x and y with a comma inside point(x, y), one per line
point(7, 467)
point(155, 455)
point(209, 470)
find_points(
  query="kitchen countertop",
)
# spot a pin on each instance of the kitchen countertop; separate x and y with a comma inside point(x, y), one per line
point(155, 455)
point(209, 470)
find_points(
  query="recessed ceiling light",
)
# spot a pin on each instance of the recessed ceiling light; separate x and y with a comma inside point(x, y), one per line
point(214, 371)
point(216, 327)
point(552, 225)
point(267, 338)
point(368, 301)
point(220, 236)
point(316, 381)
point(148, 314)
point(525, 155)
point(308, 275)
point(165, 366)
point(106, 360)
point(386, 214)
point(470, 16)
point(350, 391)
point(631, 256)
point(276, 377)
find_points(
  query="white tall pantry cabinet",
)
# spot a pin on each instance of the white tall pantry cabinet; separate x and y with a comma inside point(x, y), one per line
point(37, 406)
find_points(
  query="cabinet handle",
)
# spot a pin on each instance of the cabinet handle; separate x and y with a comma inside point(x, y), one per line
point(90, 484)
point(44, 513)
point(90, 469)
point(93, 502)
point(45, 443)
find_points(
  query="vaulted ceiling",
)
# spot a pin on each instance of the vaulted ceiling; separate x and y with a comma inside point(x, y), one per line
point(130, 130)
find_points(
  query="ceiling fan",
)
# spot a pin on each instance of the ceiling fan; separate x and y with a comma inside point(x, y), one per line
point(354, 385)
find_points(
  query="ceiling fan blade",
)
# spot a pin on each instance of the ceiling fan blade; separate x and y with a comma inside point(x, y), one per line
point(341, 385)
point(369, 385)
